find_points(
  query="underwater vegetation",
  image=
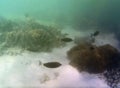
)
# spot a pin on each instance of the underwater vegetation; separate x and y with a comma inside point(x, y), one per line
point(7, 25)
point(33, 40)
point(94, 59)
point(30, 35)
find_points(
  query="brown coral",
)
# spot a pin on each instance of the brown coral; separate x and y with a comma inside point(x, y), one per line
point(93, 59)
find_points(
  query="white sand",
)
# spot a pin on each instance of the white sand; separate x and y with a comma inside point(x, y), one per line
point(24, 71)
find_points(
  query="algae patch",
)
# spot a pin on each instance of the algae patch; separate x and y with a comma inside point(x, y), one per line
point(30, 35)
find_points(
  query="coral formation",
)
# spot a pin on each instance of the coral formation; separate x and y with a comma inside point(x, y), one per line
point(103, 60)
point(94, 59)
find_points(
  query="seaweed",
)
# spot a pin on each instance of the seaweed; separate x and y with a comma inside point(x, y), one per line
point(94, 59)
point(29, 34)
point(33, 40)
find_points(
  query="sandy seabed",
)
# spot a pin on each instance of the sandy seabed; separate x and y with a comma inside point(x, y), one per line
point(23, 70)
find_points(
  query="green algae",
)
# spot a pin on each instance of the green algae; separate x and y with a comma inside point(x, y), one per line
point(32, 36)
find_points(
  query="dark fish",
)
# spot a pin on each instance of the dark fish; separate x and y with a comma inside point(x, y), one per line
point(96, 33)
point(66, 39)
point(92, 48)
point(52, 64)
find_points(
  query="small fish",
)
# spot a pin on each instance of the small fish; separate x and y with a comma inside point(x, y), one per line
point(92, 48)
point(52, 64)
point(66, 39)
point(96, 33)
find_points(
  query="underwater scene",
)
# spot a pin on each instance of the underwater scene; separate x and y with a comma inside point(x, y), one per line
point(59, 43)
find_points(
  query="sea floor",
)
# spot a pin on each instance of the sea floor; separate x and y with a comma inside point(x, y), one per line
point(23, 70)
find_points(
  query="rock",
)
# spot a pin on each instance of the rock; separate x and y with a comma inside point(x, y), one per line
point(94, 59)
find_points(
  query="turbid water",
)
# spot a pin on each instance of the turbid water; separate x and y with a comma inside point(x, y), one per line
point(34, 32)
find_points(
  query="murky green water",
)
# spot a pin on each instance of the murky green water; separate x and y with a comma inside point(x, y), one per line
point(44, 30)
point(78, 13)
